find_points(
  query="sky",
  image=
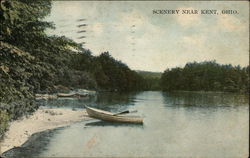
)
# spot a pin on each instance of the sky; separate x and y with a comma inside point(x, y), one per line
point(130, 31)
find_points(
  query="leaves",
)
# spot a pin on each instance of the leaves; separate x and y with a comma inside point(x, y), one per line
point(206, 76)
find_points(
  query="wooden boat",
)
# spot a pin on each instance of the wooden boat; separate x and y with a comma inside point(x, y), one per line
point(81, 95)
point(66, 95)
point(72, 95)
point(108, 116)
point(45, 96)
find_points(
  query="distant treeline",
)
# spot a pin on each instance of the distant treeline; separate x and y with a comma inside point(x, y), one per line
point(151, 80)
point(108, 73)
point(206, 76)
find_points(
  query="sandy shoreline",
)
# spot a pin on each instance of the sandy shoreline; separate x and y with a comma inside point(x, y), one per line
point(43, 119)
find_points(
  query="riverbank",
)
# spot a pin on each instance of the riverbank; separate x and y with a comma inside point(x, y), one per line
point(41, 120)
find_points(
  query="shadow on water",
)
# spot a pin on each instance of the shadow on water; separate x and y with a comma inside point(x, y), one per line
point(114, 102)
point(33, 146)
point(109, 101)
point(204, 99)
point(67, 102)
point(114, 124)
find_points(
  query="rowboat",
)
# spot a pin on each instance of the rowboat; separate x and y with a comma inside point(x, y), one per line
point(108, 116)
point(66, 95)
point(71, 95)
point(82, 95)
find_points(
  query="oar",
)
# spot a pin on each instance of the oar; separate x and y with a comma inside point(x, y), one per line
point(125, 112)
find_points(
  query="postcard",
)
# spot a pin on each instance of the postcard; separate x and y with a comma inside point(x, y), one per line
point(124, 78)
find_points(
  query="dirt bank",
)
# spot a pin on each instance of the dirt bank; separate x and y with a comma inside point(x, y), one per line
point(43, 119)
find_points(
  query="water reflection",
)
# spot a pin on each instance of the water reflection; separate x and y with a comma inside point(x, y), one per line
point(36, 144)
point(113, 102)
point(114, 124)
point(205, 99)
point(178, 124)
point(67, 102)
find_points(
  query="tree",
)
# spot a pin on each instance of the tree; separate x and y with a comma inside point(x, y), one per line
point(206, 76)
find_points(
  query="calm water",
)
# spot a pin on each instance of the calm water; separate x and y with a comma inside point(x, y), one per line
point(180, 124)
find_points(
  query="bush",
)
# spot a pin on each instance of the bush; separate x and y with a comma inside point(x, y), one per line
point(4, 119)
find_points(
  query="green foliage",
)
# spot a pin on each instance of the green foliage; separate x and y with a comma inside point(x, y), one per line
point(15, 66)
point(151, 80)
point(21, 20)
point(4, 118)
point(148, 74)
point(206, 76)
point(111, 74)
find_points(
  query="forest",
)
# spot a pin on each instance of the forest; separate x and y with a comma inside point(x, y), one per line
point(33, 62)
point(206, 76)
point(151, 80)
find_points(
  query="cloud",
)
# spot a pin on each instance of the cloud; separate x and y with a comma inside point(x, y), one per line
point(133, 18)
point(129, 21)
point(230, 23)
point(66, 10)
point(187, 20)
point(194, 40)
point(156, 42)
point(96, 28)
point(139, 31)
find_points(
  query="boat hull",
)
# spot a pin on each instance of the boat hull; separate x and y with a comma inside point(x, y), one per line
point(107, 116)
point(65, 95)
point(71, 95)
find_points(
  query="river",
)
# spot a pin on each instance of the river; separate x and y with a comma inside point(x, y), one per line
point(176, 124)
